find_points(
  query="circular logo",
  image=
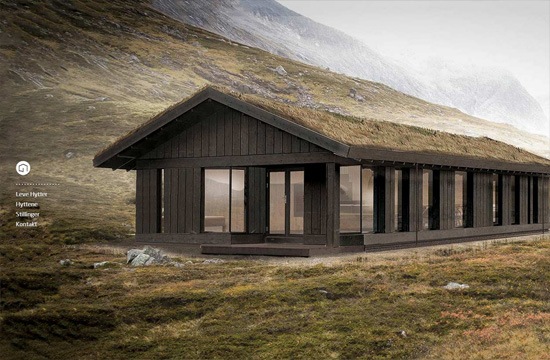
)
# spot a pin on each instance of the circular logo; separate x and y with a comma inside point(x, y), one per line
point(23, 168)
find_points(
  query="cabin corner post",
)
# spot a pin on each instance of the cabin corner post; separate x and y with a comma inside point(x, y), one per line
point(333, 205)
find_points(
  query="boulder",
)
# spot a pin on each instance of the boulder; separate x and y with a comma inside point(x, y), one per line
point(455, 286)
point(140, 260)
point(213, 261)
point(132, 254)
point(280, 70)
point(100, 264)
point(155, 254)
point(65, 262)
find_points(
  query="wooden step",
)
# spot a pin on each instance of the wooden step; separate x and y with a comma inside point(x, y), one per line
point(275, 249)
point(274, 239)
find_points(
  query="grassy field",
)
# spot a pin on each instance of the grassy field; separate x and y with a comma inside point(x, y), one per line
point(371, 306)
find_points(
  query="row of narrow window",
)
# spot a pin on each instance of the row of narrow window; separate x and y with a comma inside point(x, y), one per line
point(357, 194)
point(224, 201)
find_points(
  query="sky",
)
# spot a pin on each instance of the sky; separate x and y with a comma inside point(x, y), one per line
point(514, 35)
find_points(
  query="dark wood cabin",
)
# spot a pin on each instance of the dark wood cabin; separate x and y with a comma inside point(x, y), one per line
point(236, 178)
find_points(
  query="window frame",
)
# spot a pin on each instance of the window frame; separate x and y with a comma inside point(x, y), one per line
point(230, 200)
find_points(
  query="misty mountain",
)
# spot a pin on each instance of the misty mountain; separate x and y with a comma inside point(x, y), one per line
point(494, 95)
point(488, 93)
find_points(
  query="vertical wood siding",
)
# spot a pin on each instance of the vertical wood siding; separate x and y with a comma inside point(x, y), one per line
point(256, 200)
point(315, 200)
point(182, 200)
point(230, 133)
point(148, 201)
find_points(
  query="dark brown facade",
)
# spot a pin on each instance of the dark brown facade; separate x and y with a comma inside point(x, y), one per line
point(283, 186)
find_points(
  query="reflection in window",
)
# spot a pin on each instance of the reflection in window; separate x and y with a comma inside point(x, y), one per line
point(460, 199)
point(296, 202)
point(350, 204)
point(400, 201)
point(368, 200)
point(224, 210)
point(428, 211)
point(237, 200)
point(277, 202)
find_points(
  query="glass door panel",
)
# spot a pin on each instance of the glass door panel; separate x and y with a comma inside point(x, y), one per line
point(296, 202)
point(277, 201)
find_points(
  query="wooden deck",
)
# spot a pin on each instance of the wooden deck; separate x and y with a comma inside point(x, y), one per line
point(276, 249)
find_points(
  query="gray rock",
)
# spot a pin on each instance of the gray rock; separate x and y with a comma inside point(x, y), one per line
point(327, 294)
point(455, 286)
point(100, 264)
point(65, 262)
point(355, 95)
point(213, 261)
point(69, 153)
point(131, 254)
point(155, 254)
point(140, 260)
point(280, 70)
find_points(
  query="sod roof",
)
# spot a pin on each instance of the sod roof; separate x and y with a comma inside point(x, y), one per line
point(363, 136)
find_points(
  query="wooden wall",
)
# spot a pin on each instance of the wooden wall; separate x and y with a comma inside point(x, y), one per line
point(545, 201)
point(315, 200)
point(446, 198)
point(148, 201)
point(505, 200)
point(256, 200)
point(231, 133)
point(415, 199)
point(182, 201)
point(384, 199)
point(482, 199)
point(333, 204)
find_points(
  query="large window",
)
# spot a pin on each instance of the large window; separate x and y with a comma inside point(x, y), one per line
point(460, 199)
point(367, 194)
point(350, 199)
point(356, 199)
point(224, 207)
point(429, 215)
point(296, 217)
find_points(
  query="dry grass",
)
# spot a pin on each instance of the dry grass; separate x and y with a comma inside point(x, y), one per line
point(275, 309)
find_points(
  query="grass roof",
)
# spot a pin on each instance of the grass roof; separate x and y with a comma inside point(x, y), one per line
point(369, 133)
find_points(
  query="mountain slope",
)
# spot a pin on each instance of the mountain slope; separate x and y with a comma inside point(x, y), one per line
point(77, 75)
point(270, 26)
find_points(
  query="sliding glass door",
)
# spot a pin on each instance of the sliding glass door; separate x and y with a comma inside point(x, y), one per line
point(286, 202)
